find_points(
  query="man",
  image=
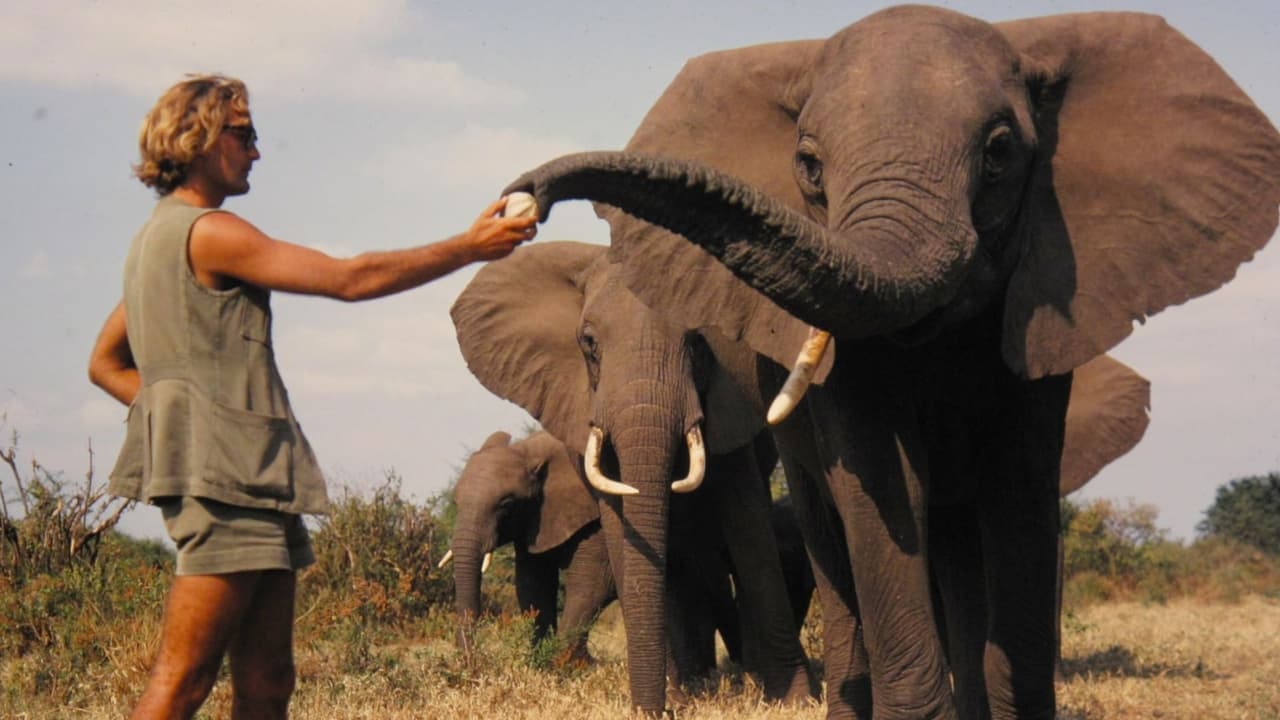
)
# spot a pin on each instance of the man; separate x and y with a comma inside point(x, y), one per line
point(211, 438)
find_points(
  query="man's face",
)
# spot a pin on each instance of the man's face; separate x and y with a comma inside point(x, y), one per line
point(227, 164)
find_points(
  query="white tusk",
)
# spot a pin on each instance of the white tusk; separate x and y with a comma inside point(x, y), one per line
point(595, 476)
point(815, 346)
point(484, 564)
point(697, 463)
point(445, 560)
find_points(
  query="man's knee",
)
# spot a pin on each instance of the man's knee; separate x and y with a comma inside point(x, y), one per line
point(264, 681)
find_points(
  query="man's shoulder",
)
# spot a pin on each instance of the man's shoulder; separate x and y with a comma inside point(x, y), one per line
point(221, 225)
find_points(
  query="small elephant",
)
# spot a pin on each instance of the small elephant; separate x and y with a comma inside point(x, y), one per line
point(972, 212)
point(529, 494)
point(652, 412)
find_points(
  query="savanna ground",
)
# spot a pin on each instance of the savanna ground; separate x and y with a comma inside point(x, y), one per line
point(1153, 628)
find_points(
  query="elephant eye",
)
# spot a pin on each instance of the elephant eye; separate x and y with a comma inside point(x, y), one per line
point(998, 152)
point(591, 354)
point(809, 167)
point(587, 342)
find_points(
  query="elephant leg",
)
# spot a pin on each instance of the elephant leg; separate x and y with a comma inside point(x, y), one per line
point(588, 587)
point(846, 667)
point(725, 614)
point(698, 584)
point(1020, 523)
point(743, 509)
point(691, 631)
point(537, 584)
point(955, 559)
point(876, 469)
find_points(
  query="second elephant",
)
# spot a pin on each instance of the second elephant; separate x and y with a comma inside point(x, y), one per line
point(553, 329)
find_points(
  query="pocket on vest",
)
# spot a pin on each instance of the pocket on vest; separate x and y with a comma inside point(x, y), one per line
point(253, 452)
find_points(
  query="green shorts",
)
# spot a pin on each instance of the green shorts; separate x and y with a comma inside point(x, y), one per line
point(214, 538)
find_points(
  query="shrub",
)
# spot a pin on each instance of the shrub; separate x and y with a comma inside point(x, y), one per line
point(1113, 541)
point(376, 559)
point(1116, 552)
point(1247, 510)
point(48, 524)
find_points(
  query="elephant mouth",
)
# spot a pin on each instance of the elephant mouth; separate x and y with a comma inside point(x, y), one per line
point(602, 465)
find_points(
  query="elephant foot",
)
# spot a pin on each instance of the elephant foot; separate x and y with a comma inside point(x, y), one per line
point(797, 690)
point(574, 657)
point(677, 697)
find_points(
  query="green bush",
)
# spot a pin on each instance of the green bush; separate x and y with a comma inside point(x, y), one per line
point(1114, 541)
point(1247, 510)
point(1116, 552)
point(376, 558)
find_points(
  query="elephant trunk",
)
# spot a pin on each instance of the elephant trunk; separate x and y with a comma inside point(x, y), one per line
point(886, 266)
point(646, 465)
point(647, 438)
point(468, 548)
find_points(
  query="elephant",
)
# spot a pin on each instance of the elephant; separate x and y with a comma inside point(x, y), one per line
point(528, 493)
point(552, 328)
point(969, 211)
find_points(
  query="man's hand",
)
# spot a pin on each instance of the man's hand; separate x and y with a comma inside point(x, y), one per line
point(492, 236)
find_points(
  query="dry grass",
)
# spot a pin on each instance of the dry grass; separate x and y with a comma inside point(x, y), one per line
point(1181, 660)
point(1122, 660)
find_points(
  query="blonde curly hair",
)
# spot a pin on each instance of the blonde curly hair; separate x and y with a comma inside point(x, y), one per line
point(185, 122)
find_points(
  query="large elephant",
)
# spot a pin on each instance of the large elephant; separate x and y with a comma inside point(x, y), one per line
point(528, 493)
point(972, 211)
point(553, 329)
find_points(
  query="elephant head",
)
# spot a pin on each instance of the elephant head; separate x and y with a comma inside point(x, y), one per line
point(1078, 172)
point(528, 493)
point(553, 329)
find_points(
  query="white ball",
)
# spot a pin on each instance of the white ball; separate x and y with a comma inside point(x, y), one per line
point(520, 204)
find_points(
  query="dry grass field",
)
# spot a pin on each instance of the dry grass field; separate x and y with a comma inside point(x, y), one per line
point(1155, 628)
point(1181, 660)
point(1121, 660)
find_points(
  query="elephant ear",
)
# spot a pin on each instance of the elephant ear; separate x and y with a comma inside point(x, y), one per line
point(517, 323)
point(733, 111)
point(567, 505)
point(733, 408)
point(1106, 417)
point(1163, 177)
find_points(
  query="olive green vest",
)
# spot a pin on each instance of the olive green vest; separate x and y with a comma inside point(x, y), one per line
point(212, 418)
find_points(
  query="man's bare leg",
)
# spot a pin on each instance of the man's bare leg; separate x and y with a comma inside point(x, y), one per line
point(262, 672)
point(201, 616)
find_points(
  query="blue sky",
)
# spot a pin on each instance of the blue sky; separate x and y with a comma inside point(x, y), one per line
point(389, 123)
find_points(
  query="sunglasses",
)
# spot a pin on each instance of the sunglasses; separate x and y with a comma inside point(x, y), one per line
point(247, 135)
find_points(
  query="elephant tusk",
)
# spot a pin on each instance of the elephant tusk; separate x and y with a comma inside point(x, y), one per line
point(597, 477)
point(815, 346)
point(484, 564)
point(445, 560)
point(697, 463)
